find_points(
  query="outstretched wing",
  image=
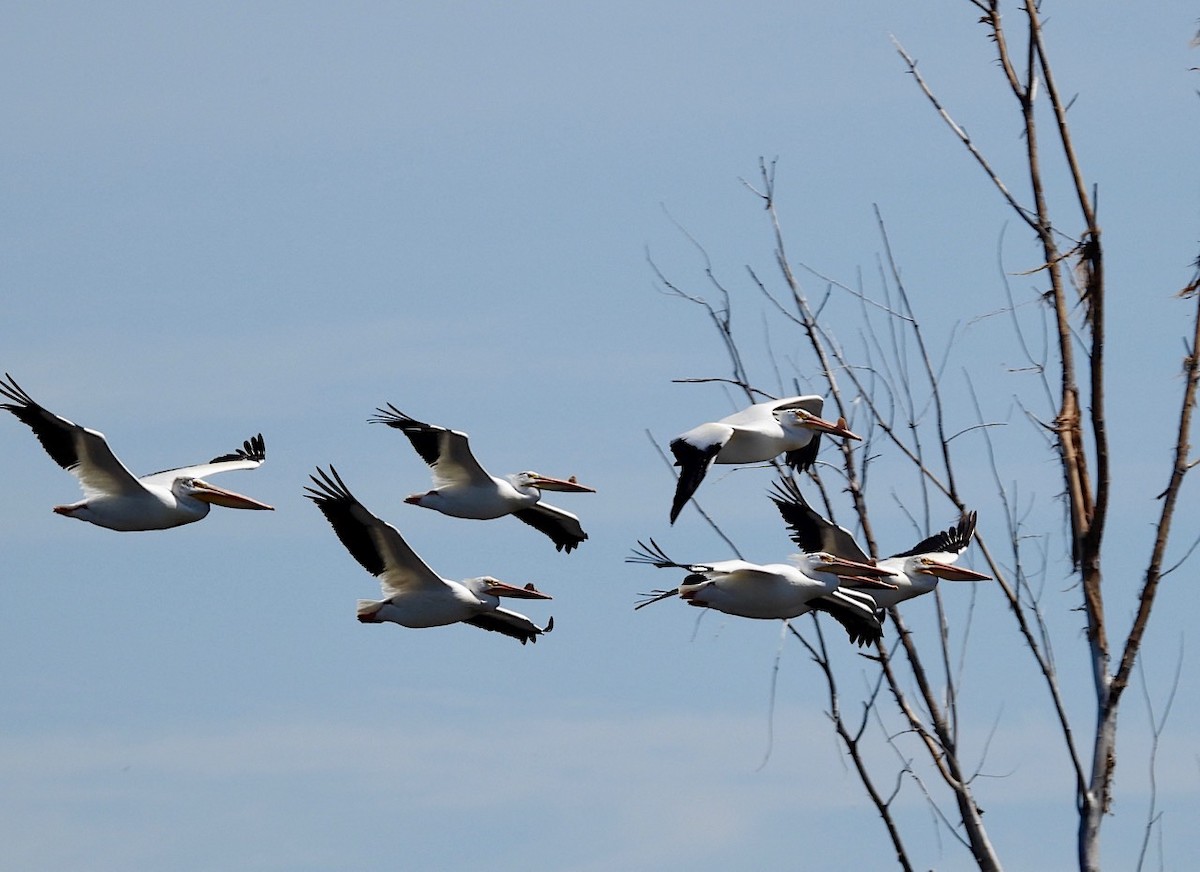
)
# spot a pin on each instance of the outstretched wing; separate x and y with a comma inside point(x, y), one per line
point(949, 543)
point(694, 453)
point(810, 530)
point(754, 415)
point(250, 456)
point(376, 545)
point(855, 611)
point(82, 452)
point(510, 624)
point(563, 527)
point(448, 452)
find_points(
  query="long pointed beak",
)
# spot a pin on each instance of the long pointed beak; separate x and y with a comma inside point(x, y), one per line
point(864, 574)
point(841, 428)
point(218, 496)
point(526, 592)
point(854, 582)
point(570, 485)
point(950, 572)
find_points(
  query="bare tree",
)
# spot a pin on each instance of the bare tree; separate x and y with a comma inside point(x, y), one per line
point(888, 380)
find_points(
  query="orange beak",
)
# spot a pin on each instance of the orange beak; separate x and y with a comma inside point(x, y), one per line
point(950, 572)
point(838, 429)
point(569, 485)
point(218, 496)
point(526, 592)
point(862, 574)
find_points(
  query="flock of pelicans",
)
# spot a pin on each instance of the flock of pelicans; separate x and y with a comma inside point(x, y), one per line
point(832, 574)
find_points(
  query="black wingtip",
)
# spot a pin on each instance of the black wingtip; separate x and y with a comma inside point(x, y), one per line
point(13, 391)
point(802, 459)
point(393, 417)
point(955, 538)
point(56, 433)
point(329, 487)
point(253, 448)
point(652, 555)
point(693, 465)
point(785, 491)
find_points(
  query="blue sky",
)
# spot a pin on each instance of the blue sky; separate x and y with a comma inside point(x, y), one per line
point(227, 218)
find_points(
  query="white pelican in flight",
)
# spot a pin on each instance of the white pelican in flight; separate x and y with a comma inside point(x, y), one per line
point(464, 489)
point(773, 590)
point(414, 595)
point(912, 572)
point(112, 496)
point(791, 426)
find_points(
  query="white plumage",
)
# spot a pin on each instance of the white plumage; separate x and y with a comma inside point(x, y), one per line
point(413, 594)
point(113, 496)
point(772, 590)
point(462, 488)
point(761, 432)
point(911, 573)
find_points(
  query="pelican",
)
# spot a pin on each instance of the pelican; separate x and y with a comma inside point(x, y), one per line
point(464, 489)
point(414, 595)
point(773, 590)
point(791, 426)
point(113, 496)
point(912, 573)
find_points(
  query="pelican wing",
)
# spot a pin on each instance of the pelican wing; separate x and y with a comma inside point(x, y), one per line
point(653, 555)
point(82, 452)
point(563, 527)
point(510, 624)
point(948, 544)
point(694, 453)
point(800, 459)
point(448, 452)
point(855, 611)
point(811, 403)
point(250, 456)
point(655, 596)
point(759, 412)
point(739, 571)
point(376, 545)
point(809, 529)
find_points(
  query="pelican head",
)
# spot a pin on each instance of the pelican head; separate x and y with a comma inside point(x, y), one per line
point(545, 482)
point(804, 418)
point(415, 499)
point(495, 587)
point(692, 589)
point(199, 489)
point(947, 571)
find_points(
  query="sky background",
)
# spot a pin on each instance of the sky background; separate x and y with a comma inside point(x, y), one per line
point(225, 218)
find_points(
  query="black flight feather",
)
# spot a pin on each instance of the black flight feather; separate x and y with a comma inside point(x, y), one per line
point(337, 504)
